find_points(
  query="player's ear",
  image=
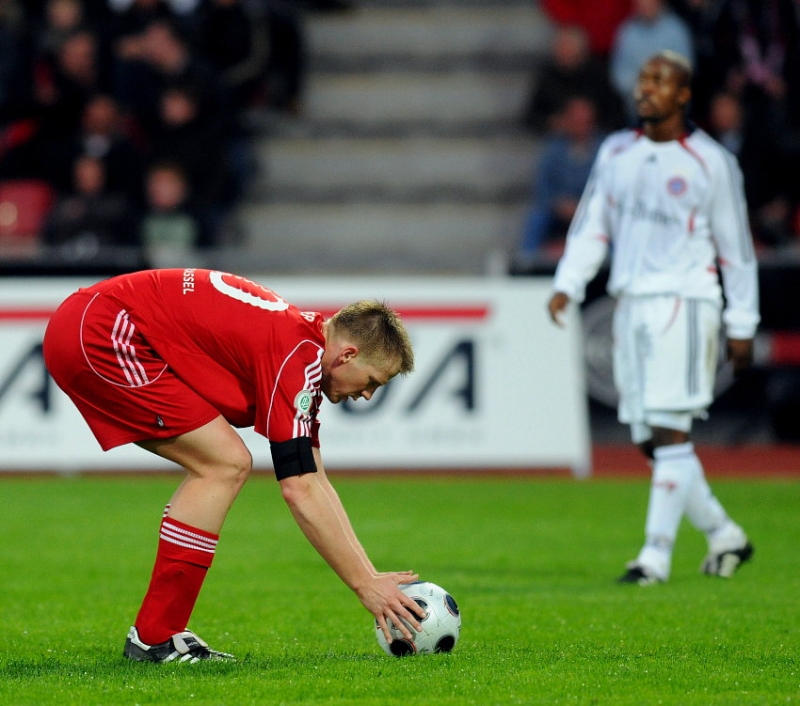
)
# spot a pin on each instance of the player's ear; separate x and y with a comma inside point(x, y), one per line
point(348, 353)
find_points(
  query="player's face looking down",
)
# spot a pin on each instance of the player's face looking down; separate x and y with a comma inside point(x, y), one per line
point(351, 375)
point(661, 91)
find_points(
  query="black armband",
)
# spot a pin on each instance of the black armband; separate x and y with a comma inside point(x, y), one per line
point(293, 457)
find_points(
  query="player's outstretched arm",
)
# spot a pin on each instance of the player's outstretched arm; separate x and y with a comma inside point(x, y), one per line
point(318, 511)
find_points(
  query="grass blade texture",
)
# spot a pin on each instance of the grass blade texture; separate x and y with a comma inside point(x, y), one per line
point(532, 562)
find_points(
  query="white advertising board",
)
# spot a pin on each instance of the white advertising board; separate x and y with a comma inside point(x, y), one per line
point(496, 385)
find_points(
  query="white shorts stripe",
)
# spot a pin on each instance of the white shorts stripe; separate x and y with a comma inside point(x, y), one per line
point(126, 353)
point(114, 340)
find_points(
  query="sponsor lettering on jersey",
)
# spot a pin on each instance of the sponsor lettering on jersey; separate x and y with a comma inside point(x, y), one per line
point(641, 212)
point(188, 280)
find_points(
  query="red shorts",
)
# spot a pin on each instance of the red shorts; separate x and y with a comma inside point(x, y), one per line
point(120, 385)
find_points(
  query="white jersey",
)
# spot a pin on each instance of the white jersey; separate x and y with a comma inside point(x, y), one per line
point(672, 213)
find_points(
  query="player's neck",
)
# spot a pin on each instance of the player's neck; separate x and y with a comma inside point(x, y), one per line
point(672, 128)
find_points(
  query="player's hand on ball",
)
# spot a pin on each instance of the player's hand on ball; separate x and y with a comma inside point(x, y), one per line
point(382, 597)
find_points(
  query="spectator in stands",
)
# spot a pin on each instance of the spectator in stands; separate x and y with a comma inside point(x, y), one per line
point(124, 81)
point(169, 231)
point(652, 27)
point(569, 71)
point(61, 18)
point(197, 141)
point(93, 12)
point(767, 39)
point(236, 44)
point(561, 176)
point(598, 18)
point(13, 60)
point(713, 29)
point(158, 57)
point(726, 122)
point(104, 135)
point(764, 77)
point(286, 62)
point(65, 84)
point(130, 18)
point(50, 96)
point(87, 222)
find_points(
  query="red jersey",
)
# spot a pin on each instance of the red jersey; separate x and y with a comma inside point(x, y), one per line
point(253, 356)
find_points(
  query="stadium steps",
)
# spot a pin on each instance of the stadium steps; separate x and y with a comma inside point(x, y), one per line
point(410, 169)
point(407, 156)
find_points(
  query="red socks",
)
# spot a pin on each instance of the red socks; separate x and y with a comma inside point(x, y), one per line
point(184, 555)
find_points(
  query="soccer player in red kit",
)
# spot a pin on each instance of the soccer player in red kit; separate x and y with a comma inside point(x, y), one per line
point(173, 360)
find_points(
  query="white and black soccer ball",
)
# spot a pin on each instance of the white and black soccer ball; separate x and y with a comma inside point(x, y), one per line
point(441, 626)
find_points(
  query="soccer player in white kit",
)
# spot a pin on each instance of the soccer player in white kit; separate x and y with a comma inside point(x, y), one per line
point(668, 203)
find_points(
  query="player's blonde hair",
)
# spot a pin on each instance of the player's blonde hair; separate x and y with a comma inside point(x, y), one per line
point(681, 63)
point(377, 331)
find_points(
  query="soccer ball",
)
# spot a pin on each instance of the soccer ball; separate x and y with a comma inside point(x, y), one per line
point(441, 625)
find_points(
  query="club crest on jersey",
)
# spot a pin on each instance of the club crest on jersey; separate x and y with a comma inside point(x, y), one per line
point(304, 401)
point(676, 186)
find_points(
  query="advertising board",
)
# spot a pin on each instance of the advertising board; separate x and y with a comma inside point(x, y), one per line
point(496, 385)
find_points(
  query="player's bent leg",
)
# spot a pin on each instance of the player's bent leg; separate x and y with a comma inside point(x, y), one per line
point(217, 463)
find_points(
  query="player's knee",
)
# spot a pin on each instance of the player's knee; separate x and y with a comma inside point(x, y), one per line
point(668, 437)
point(238, 467)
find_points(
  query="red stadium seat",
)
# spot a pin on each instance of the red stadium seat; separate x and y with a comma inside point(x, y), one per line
point(24, 207)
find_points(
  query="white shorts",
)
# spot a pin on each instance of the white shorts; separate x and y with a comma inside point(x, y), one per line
point(665, 360)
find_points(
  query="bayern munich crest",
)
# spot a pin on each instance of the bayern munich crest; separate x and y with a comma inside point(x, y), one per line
point(676, 186)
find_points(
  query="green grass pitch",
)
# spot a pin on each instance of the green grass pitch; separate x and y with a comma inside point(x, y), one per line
point(531, 561)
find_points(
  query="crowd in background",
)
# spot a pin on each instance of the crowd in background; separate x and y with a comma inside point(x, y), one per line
point(746, 94)
point(124, 119)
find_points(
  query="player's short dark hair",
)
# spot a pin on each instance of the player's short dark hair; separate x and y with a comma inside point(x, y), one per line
point(378, 332)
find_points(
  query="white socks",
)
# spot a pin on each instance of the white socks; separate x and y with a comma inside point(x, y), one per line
point(674, 470)
point(678, 486)
point(706, 513)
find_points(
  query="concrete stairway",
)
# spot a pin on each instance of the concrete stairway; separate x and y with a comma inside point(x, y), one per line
point(407, 157)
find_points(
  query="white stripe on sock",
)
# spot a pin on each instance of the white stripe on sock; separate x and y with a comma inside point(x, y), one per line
point(178, 535)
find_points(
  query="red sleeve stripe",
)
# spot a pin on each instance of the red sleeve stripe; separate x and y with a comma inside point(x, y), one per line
point(684, 143)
